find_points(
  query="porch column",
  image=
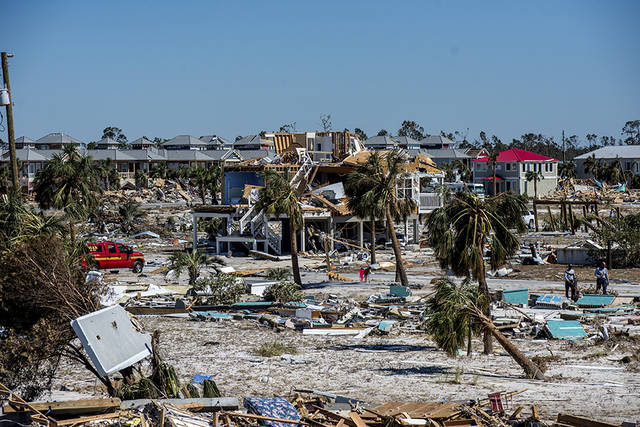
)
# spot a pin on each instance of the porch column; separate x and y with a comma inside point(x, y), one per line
point(416, 234)
point(406, 230)
point(361, 233)
point(195, 233)
point(331, 233)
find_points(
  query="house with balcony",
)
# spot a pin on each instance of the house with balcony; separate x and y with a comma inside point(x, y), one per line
point(511, 169)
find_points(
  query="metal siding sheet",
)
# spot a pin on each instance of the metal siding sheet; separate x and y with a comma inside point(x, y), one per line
point(110, 339)
point(516, 296)
point(591, 300)
point(566, 329)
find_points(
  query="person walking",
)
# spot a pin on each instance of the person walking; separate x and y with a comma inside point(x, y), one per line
point(602, 277)
point(570, 282)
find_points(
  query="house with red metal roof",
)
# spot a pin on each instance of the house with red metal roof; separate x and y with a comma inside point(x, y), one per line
point(511, 169)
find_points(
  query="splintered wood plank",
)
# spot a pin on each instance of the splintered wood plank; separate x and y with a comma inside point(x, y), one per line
point(355, 417)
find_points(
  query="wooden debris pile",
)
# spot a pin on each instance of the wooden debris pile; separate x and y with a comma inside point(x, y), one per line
point(313, 409)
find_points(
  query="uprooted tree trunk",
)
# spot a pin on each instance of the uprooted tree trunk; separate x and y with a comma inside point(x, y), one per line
point(531, 369)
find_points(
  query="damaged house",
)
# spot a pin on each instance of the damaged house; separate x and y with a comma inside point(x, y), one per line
point(318, 163)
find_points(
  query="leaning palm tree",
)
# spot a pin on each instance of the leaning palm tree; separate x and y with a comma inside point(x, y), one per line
point(534, 176)
point(68, 182)
point(459, 231)
point(279, 197)
point(446, 322)
point(374, 183)
point(455, 310)
point(191, 262)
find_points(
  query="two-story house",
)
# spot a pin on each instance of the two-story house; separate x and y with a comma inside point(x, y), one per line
point(511, 169)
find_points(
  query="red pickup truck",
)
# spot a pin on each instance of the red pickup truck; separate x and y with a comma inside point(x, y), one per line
point(113, 255)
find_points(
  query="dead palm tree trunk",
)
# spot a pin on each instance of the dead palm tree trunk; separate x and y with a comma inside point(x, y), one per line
point(530, 368)
point(373, 239)
point(294, 251)
point(483, 289)
point(396, 249)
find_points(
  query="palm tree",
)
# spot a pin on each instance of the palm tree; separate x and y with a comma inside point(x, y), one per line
point(447, 323)
point(215, 182)
point(104, 169)
point(19, 222)
point(191, 262)
point(363, 209)
point(593, 166)
point(454, 309)
point(463, 170)
point(534, 176)
point(205, 179)
point(159, 170)
point(277, 198)
point(567, 169)
point(129, 212)
point(68, 182)
point(374, 183)
point(459, 231)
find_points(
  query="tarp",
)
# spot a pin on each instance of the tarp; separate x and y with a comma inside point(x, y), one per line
point(275, 407)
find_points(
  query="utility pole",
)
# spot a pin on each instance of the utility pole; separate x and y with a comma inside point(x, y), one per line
point(563, 150)
point(11, 135)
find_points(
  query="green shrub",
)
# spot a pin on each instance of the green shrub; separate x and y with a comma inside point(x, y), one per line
point(225, 288)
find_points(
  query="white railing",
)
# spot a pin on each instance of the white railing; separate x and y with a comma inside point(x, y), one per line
point(430, 201)
point(248, 216)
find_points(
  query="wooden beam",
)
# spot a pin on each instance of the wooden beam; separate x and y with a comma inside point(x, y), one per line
point(66, 407)
point(553, 221)
point(582, 421)
point(571, 220)
point(83, 420)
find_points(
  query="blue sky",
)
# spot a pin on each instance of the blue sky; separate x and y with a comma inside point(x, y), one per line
point(163, 68)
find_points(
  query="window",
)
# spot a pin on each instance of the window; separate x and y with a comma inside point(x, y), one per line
point(122, 248)
point(627, 166)
point(507, 167)
point(524, 167)
point(111, 248)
